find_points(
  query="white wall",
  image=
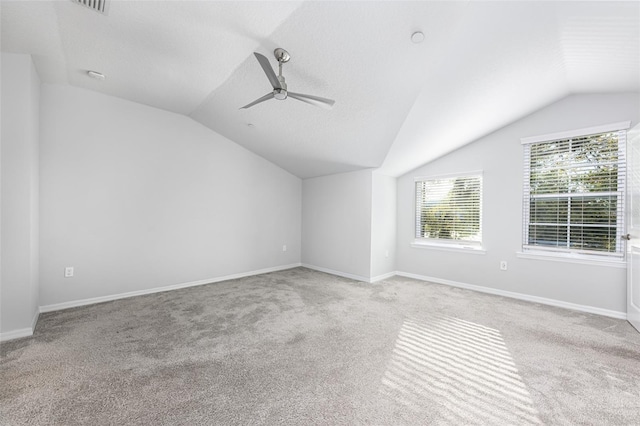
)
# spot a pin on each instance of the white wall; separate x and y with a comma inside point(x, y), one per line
point(500, 156)
point(336, 223)
point(383, 225)
point(19, 196)
point(136, 198)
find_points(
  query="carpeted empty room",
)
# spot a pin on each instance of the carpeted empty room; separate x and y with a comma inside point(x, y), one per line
point(335, 212)
point(304, 347)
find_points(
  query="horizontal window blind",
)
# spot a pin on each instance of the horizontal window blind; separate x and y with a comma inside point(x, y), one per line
point(449, 208)
point(574, 194)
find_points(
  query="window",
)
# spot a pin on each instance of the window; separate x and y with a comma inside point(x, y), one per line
point(449, 209)
point(574, 192)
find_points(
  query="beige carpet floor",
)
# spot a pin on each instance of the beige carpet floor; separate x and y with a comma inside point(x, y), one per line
point(301, 347)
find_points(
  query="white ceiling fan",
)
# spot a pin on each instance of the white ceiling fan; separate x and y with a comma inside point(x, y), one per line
point(280, 87)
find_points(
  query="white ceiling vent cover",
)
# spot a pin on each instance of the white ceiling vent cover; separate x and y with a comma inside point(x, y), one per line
point(99, 6)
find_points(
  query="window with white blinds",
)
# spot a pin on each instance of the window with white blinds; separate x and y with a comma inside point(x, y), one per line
point(574, 194)
point(449, 209)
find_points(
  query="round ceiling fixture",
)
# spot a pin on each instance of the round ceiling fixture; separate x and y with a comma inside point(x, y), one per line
point(97, 75)
point(417, 37)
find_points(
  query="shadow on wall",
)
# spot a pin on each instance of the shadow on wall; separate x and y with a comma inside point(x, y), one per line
point(458, 372)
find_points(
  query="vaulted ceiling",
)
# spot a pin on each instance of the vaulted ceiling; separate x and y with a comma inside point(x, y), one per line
point(398, 104)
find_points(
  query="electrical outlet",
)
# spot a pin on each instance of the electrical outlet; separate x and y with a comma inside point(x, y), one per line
point(386, 253)
point(68, 271)
point(284, 248)
point(503, 265)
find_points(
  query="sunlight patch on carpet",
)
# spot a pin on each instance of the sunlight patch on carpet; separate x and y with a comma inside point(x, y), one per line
point(458, 372)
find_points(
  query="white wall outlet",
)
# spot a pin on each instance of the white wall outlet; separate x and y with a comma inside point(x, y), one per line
point(284, 248)
point(386, 253)
point(68, 271)
point(503, 265)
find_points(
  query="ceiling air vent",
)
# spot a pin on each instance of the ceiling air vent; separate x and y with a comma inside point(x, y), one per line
point(99, 6)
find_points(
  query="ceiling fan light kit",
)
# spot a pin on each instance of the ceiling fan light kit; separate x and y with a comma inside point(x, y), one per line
point(279, 85)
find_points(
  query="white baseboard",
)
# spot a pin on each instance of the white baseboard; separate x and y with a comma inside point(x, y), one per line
point(383, 277)
point(520, 296)
point(351, 276)
point(338, 273)
point(26, 332)
point(93, 300)
point(34, 321)
point(15, 334)
point(22, 332)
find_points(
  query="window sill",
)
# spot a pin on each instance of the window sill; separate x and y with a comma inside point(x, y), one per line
point(572, 258)
point(460, 248)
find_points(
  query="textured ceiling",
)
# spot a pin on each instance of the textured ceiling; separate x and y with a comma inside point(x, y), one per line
point(398, 104)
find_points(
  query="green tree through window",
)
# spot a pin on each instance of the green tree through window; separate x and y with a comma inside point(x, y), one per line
point(574, 193)
point(449, 209)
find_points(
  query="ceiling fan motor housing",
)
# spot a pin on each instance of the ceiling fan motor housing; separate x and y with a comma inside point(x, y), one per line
point(280, 94)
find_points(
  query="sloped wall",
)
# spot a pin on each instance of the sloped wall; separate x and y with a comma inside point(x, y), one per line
point(136, 198)
point(500, 157)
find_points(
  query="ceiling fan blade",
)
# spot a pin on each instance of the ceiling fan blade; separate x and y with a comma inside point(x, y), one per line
point(313, 100)
point(257, 101)
point(266, 67)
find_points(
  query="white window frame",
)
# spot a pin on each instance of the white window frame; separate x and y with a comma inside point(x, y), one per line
point(576, 255)
point(474, 247)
